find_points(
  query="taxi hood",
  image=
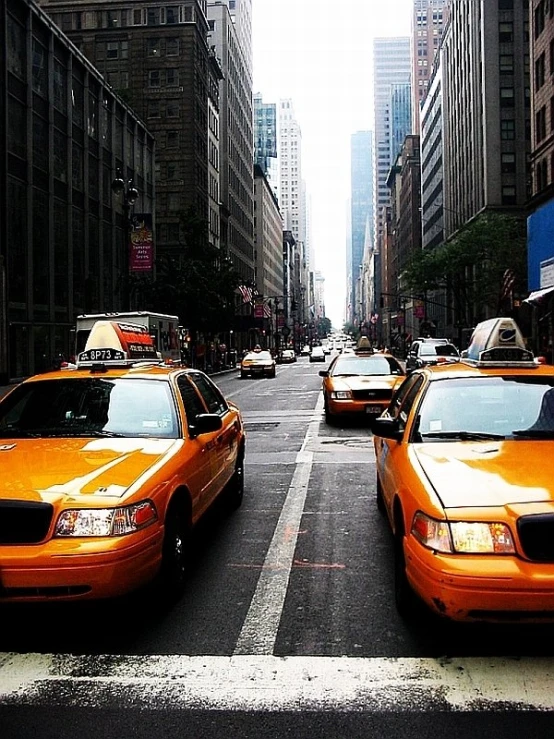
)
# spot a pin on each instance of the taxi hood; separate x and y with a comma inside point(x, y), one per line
point(50, 470)
point(495, 473)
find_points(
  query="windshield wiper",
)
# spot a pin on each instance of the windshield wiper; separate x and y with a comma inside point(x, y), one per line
point(15, 433)
point(108, 434)
point(463, 435)
point(534, 433)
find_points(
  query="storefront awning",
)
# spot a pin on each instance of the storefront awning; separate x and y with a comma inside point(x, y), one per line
point(536, 297)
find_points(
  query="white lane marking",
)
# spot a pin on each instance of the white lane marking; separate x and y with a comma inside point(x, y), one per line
point(259, 630)
point(265, 683)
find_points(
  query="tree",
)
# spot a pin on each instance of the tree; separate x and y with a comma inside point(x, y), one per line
point(473, 265)
point(198, 283)
point(323, 326)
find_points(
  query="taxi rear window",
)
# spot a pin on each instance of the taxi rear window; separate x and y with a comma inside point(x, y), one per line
point(89, 407)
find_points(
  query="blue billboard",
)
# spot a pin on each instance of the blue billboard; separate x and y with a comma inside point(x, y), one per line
point(540, 245)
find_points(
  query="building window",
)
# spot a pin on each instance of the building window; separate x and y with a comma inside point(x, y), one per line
point(539, 19)
point(154, 78)
point(172, 109)
point(153, 46)
point(507, 97)
point(154, 109)
point(539, 71)
point(117, 50)
point(508, 162)
point(137, 17)
point(172, 139)
point(172, 14)
point(506, 32)
point(540, 124)
point(153, 17)
point(40, 82)
point(60, 86)
point(541, 177)
point(508, 129)
point(506, 63)
point(172, 46)
point(17, 128)
point(16, 48)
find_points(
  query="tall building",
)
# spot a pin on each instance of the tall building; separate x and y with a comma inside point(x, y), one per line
point(428, 22)
point(268, 238)
point(487, 116)
point(361, 205)
point(229, 24)
point(64, 234)
point(265, 139)
point(157, 58)
point(400, 116)
point(432, 163)
point(291, 198)
point(391, 67)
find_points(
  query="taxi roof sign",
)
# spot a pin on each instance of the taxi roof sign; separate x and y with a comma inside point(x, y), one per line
point(117, 342)
point(498, 342)
point(363, 346)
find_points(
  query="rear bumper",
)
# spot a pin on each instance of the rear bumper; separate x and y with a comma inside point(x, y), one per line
point(356, 407)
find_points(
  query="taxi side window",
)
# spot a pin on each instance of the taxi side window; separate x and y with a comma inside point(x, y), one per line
point(214, 400)
point(191, 400)
point(404, 398)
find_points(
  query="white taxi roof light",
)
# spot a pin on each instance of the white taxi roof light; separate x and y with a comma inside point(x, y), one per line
point(498, 342)
point(114, 342)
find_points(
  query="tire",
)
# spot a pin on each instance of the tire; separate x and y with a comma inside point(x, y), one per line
point(379, 497)
point(235, 489)
point(175, 555)
point(329, 418)
point(243, 375)
point(273, 374)
point(404, 597)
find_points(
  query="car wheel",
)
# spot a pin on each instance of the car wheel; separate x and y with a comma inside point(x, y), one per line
point(329, 418)
point(379, 497)
point(243, 375)
point(273, 374)
point(235, 490)
point(404, 597)
point(175, 554)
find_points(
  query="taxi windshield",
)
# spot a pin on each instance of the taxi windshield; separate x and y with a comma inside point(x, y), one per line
point(89, 407)
point(501, 407)
point(374, 365)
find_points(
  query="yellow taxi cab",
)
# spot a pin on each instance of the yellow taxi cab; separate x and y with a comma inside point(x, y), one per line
point(258, 363)
point(106, 469)
point(360, 383)
point(465, 475)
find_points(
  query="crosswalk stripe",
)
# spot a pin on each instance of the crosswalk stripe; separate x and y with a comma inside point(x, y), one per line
point(268, 683)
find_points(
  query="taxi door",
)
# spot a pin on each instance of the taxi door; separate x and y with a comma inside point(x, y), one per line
point(391, 454)
point(227, 437)
point(202, 451)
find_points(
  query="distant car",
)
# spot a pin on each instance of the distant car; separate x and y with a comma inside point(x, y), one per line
point(258, 363)
point(327, 349)
point(287, 356)
point(317, 354)
point(305, 351)
point(427, 352)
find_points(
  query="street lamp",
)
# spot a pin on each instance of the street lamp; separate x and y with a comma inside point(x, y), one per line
point(120, 186)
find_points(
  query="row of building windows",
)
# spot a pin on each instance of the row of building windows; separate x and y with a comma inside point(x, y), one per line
point(154, 16)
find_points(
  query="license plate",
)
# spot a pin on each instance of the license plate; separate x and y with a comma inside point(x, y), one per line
point(373, 409)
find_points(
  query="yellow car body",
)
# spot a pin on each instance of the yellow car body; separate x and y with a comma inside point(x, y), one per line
point(360, 384)
point(105, 471)
point(465, 471)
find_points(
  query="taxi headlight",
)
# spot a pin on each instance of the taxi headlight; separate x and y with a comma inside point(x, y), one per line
point(482, 538)
point(105, 521)
point(462, 537)
point(341, 395)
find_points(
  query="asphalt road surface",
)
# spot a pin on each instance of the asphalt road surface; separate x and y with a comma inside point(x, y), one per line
point(288, 626)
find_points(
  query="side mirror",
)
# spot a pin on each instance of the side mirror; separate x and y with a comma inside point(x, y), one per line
point(323, 373)
point(387, 428)
point(206, 423)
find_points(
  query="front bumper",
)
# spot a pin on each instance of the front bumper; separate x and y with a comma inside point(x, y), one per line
point(80, 569)
point(481, 588)
point(356, 407)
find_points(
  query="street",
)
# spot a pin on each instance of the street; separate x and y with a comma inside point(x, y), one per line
point(288, 625)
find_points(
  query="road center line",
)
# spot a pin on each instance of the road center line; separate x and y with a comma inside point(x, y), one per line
point(259, 631)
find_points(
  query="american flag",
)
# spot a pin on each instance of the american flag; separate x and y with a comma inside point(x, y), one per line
point(246, 293)
point(267, 311)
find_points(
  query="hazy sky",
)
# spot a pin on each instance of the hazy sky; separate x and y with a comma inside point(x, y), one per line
point(318, 54)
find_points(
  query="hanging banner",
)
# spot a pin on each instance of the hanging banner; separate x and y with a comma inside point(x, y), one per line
point(259, 306)
point(142, 243)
